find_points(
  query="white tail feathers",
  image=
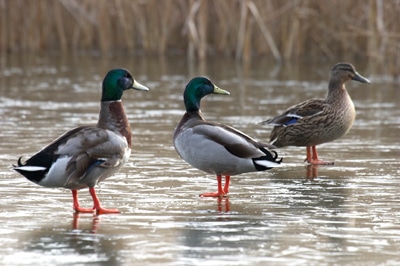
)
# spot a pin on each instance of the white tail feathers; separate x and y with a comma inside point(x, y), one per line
point(267, 164)
point(30, 168)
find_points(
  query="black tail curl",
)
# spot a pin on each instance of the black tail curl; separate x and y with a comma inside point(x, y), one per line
point(271, 155)
point(34, 176)
point(19, 162)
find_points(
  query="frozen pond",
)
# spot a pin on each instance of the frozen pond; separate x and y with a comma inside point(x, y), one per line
point(348, 213)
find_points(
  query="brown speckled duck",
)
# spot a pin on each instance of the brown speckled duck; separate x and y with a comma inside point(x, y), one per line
point(86, 155)
point(318, 121)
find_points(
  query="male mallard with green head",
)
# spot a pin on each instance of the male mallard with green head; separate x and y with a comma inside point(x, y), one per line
point(86, 155)
point(318, 121)
point(216, 148)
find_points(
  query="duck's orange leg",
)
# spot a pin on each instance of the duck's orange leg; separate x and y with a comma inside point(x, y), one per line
point(77, 207)
point(221, 192)
point(312, 157)
point(309, 156)
point(227, 183)
point(97, 205)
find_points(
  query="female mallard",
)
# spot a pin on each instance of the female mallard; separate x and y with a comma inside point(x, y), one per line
point(216, 148)
point(317, 121)
point(86, 155)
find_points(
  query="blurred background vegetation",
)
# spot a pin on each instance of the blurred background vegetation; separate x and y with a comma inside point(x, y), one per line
point(243, 29)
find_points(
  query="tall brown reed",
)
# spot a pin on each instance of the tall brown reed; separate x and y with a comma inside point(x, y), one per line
point(283, 30)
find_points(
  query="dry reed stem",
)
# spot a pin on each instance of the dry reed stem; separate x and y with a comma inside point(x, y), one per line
point(267, 35)
point(242, 29)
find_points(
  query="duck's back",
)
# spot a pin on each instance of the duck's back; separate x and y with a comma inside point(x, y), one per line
point(313, 122)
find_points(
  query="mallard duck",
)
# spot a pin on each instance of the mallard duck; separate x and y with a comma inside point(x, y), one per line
point(86, 155)
point(318, 121)
point(216, 148)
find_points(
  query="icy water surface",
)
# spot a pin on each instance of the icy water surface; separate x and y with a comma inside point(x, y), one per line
point(344, 214)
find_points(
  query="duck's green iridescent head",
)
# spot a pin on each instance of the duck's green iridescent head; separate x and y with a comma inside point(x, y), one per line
point(196, 89)
point(116, 81)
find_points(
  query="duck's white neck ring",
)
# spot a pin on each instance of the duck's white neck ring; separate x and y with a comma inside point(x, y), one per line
point(112, 101)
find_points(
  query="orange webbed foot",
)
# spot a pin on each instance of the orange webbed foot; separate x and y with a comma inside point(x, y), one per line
point(102, 210)
point(79, 209)
point(222, 192)
point(312, 157)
